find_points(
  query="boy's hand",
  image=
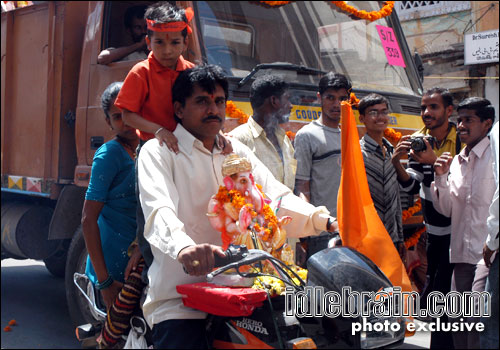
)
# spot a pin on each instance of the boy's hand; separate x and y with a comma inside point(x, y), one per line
point(442, 164)
point(487, 253)
point(165, 136)
point(133, 261)
point(402, 149)
point(109, 294)
point(224, 143)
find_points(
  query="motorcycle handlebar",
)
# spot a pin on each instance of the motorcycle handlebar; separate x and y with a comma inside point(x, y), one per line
point(232, 254)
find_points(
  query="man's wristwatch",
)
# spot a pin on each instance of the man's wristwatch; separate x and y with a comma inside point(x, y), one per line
point(330, 223)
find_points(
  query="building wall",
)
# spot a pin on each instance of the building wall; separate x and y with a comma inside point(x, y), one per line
point(436, 29)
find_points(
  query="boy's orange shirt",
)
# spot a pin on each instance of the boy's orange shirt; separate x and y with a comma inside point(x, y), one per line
point(147, 91)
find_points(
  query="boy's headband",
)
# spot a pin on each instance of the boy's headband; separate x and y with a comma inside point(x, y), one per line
point(172, 26)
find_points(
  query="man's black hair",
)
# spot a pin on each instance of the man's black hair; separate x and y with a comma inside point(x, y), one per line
point(165, 12)
point(266, 86)
point(134, 12)
point(481, 106)
point(334, 81)
point(109, 95)
point(371, 100)
point(206, 76)
point(445, 95)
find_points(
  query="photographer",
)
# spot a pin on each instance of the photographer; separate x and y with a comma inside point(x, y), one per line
point(436, 108)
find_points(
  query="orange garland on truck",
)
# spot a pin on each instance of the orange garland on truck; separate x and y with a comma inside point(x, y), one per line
point(275, 3)
point(385, 11)
point(234, 112)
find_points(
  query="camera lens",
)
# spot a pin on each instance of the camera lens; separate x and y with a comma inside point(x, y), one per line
point(418, 144)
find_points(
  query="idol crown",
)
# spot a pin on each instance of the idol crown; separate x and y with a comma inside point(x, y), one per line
point(235, 164)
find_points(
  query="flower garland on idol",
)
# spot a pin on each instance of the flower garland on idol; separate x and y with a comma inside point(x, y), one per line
point(385, 11)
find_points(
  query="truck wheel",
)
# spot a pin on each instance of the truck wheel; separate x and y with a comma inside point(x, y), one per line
point(78, 306)
point(56, 264)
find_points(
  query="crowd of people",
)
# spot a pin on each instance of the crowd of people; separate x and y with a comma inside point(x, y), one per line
point(144, 216)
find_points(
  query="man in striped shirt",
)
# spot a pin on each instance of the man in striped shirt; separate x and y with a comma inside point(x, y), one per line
point(436, 107)
point(380, 173)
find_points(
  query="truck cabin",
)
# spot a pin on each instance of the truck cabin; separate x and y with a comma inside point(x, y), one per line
point(300, 41)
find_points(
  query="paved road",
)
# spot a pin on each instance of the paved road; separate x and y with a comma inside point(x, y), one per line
point(421, 340)
point(36, 300)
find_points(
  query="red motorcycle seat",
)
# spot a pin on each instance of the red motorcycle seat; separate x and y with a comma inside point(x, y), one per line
point(220, 300)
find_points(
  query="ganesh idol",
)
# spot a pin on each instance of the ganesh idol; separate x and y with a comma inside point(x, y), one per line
point(241, 212)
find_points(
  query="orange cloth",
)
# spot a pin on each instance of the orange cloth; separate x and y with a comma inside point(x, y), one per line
point(359, 224)
point(147, 91)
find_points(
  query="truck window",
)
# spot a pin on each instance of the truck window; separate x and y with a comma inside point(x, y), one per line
point(114, 33)
point(240, 34)
point(226, 41)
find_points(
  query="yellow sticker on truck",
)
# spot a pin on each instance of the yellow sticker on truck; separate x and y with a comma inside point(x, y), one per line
point(306, 114)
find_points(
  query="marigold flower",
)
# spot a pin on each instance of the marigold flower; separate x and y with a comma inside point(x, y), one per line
point(411, 241)
point(7, 329)
point(12, 323)
point(406, 214)
point(234, 112)
point(385, 11)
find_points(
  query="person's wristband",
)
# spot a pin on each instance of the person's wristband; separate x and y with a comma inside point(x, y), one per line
point(105, 284)
point(157, 131)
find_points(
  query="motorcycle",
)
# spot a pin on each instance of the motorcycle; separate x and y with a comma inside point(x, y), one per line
point(270, 325)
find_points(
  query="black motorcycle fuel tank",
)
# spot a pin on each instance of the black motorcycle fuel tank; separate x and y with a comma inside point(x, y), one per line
point(338, 267)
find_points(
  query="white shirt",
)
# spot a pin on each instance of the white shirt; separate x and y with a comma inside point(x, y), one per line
point(174, 194)
point(254, 137)
point(465, 195)
point(492, 239)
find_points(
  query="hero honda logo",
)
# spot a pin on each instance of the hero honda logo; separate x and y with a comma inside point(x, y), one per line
point(252, 326)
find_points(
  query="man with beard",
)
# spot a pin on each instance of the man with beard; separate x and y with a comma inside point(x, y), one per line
point(436, 108)
point(317, 150)
point(135, 25)
point(270, 100)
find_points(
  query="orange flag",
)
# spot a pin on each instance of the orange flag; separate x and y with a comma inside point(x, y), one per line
point(359, 224)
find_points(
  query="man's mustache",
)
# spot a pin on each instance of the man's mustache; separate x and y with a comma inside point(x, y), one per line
point(212, 117)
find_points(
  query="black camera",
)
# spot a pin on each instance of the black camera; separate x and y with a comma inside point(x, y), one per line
point(418, 144)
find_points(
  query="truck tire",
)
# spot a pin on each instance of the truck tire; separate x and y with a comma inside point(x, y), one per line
point(56, 264)
point(79, 309)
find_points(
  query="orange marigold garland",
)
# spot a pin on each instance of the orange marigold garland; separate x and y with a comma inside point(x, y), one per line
point(385, 11)
point(234, 112)
point(238, 201)
point(392, 135)
point(291, 135)
point(413, 210)
point(411, 241)
point(275, 3)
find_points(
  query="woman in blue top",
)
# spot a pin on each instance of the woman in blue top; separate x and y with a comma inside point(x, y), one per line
point(109, 211)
